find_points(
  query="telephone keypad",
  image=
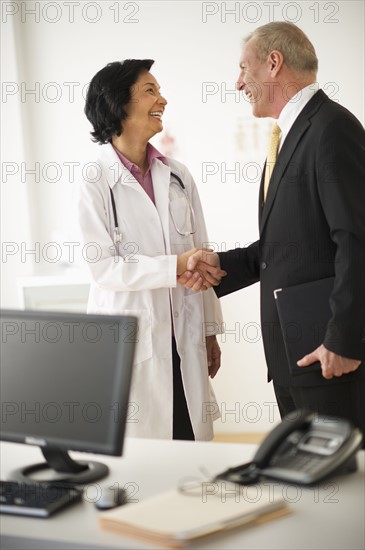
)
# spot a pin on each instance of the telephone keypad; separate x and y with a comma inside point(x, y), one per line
point(304, 462)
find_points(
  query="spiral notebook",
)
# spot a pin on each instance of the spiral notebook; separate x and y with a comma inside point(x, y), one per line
point(304, 311)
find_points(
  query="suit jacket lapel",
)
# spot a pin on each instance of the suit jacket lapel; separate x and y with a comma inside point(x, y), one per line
point(296, 132)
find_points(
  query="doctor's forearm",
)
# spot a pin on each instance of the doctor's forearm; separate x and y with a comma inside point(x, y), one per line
point(135, 273)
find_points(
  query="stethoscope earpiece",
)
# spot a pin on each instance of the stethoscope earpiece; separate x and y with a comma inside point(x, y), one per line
point(117, 236)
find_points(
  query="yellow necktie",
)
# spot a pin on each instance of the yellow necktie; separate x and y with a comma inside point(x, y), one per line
point(272, 155)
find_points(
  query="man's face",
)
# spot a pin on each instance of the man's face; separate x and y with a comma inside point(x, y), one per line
point(254, 80)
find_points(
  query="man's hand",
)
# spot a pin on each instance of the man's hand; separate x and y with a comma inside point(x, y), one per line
point(213, 354)
point(331, 363)
point(203, 270)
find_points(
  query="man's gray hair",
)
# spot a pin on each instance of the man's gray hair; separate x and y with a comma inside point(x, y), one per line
point(298, 51)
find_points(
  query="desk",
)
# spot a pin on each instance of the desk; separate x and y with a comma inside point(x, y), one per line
point(329, 515)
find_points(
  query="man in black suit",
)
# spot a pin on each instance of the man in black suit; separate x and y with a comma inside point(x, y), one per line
point(312, 223)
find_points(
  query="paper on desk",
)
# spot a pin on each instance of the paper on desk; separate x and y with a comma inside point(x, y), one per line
point(175, 518)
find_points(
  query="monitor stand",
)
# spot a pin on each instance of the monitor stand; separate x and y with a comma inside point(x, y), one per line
point(60, 468)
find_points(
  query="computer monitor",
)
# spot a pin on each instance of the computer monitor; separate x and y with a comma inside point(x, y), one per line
point(65, 381)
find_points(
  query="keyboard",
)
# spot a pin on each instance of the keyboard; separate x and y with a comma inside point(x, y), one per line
point(36, 499)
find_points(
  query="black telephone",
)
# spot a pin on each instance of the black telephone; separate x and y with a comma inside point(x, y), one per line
point(304, 449)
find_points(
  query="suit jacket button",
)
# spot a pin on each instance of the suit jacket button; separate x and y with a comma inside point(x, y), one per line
point(263, 265)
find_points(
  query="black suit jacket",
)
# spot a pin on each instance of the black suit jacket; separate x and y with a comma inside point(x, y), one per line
point(312, 226)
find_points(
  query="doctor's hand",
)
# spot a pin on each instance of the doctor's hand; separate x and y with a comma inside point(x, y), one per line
point(201, 270)
point(332, 364)
point(182, 261)
point(213, 355)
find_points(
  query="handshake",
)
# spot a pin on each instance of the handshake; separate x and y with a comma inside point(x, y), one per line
point(199, 269)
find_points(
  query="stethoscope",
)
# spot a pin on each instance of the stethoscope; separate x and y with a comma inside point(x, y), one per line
point(117, 233)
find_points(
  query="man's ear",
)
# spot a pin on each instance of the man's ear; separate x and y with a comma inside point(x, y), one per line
point(275, 62)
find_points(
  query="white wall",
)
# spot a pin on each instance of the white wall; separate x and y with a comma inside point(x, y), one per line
point(57, 49)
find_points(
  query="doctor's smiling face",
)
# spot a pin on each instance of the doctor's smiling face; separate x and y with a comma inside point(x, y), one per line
point(124, 98)
point(145, 108)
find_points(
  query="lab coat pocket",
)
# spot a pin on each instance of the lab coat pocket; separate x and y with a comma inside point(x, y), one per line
point(143, 335)
point(194, 318)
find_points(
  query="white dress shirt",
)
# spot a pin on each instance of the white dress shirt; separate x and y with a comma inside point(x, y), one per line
point(292, 109)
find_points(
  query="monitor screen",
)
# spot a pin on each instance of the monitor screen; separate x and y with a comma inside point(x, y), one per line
point(65, 379)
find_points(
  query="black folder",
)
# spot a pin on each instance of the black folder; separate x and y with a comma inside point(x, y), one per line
point(304, 312)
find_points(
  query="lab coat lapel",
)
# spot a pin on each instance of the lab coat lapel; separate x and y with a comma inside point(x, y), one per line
point(161, 186)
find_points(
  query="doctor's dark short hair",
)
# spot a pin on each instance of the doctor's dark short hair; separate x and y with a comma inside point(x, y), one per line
point(109, 91)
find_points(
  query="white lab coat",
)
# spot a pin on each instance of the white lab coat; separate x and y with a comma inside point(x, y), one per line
point(140, 280)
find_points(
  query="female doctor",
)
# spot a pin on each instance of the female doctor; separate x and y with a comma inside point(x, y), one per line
point(143, 212)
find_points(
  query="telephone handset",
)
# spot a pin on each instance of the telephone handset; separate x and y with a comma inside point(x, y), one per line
point(304, 448)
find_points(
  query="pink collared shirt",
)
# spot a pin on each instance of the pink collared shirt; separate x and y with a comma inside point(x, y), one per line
point(146, 180)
